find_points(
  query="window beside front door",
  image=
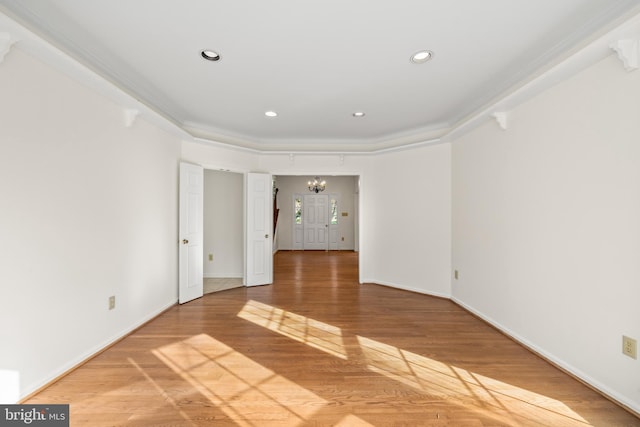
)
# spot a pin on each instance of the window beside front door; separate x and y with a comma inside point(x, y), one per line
point(297, 210)
point(334, 211)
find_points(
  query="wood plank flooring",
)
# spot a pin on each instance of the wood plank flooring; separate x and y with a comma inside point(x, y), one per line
point(318, 349)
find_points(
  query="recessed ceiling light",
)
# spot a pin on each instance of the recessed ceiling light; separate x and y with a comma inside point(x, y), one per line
point(271, 114)
point(422, 56)
point(358, 114)
point(210, 55)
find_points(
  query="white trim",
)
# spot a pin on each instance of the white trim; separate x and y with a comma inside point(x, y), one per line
point(624, 400)
point(6, 41)
point(597, 385)
point(572, 64)
point(628, 51)
point(129, 116)
point(88, 355)
point(409, 288)
point(501, 119)
point(579, 58)
point(545, 77)
point(46, 52)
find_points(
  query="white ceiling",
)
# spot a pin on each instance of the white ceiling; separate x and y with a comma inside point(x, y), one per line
point(316, 63)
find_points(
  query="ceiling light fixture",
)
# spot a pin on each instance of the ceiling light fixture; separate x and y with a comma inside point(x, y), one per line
point(422, 56)
point(358, 114)
point(271, 114)
point(210, 55)
point(316, 185)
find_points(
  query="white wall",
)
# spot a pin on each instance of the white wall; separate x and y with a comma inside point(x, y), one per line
point(327, 165)
point(342, 185)
point(88, 210)
point(546, 222)
point(409, 219)
point(223, 224)
point(404, 228)
point(546, 235)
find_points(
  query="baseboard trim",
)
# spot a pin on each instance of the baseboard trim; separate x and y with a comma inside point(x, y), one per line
point(411, 289)
point(95, 351)
point(572, 371)
point(580, 376)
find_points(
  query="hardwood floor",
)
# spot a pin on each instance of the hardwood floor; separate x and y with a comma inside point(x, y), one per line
point(318, 349)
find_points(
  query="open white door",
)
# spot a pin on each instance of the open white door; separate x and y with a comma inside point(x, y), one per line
point(191, 233)
point(259, 233)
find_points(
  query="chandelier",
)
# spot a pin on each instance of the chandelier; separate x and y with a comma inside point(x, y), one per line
point(316, 185)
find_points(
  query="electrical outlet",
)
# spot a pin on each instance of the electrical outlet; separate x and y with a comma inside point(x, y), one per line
point(210, 257)
point(629, 347)
point(455, 274)
point(112, 302)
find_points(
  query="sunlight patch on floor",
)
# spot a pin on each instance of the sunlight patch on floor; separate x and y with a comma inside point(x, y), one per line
point(165, 396)
point(246, 391)
point(505, 402)
point(352, 421)
point(316, 334)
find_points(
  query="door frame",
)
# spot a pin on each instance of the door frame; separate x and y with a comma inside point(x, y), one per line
point(298, 229)
point(275, 172)
point(244, 220)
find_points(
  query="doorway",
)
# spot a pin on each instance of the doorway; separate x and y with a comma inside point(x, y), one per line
point(223, 228)
point(339, 219)
point(347, 228)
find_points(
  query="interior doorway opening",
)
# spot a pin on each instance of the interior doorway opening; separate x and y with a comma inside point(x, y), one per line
point(223, 230)
point(317, 221)
point(224, 246)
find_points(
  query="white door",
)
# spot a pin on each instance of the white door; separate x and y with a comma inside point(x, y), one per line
point(315, 208)
point(191, 247)
point(259, 230)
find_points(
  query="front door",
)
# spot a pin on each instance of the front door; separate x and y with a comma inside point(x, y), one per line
point(316, 221)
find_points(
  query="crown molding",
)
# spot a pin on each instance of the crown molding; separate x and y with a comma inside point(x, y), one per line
point(130, 115)
point(628, 51)
point(6, 42)
point(572, 64)
point(36, 46)
point(501, 119)
point(592, 51)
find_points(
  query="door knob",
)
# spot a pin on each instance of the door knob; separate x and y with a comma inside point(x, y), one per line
point(185, 241)
point(266, 236)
